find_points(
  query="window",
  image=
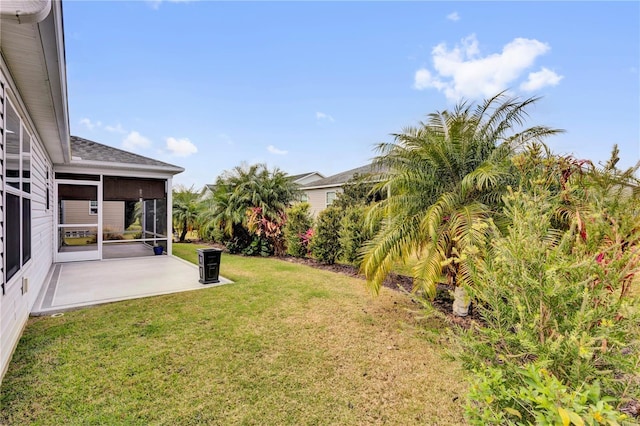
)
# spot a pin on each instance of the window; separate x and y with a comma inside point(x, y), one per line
point(18, 194)
point(48, 190)
point(12, 237)
point(93, 207)
point(331, 196)
point(304, 198)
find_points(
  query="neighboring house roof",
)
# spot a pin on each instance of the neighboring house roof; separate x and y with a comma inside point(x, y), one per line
point(342, 178)
point(207, 191)
point(84, 151)
point(300, 178)
point(304, 176)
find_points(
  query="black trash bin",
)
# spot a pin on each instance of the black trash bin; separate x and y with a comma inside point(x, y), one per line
point(209, 265)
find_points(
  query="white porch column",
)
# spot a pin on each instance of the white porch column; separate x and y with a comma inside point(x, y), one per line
point(169, 217)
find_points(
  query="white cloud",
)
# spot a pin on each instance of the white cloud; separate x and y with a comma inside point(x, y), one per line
point(323, 116)
point(453, 16)
point(181, 147)
point(272, 149)
point(540, 79)
point(115, 129)
point(90, 124)
point(462, 72)
point(134, 141)
point(424, 80)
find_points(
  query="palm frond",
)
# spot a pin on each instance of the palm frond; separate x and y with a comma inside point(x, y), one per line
point(395, 241)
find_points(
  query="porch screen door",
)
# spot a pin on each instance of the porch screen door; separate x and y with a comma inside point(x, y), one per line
point(79, 233)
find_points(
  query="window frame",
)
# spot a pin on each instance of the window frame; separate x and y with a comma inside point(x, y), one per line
point(23, 191)
point(93, 207)
point(326, 197)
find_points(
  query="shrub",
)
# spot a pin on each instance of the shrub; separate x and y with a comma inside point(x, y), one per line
point(269, 229)
point(299, 222)
point(560, 325)
point(540, 398)
point(259, 246)
point(353, 234)
point(325, 244)
point(211, 232)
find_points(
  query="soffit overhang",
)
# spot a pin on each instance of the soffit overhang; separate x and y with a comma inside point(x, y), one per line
point(32, 48)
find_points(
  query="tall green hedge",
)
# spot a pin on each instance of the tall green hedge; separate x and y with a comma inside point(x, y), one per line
point(299, 222)
point(325, 244)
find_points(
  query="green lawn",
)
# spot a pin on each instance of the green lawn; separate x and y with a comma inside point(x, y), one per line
point(284, 344)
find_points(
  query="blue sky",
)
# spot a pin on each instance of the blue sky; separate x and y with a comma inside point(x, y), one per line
point(313, 86)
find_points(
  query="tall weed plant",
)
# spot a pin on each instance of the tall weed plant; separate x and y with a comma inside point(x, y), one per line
point(560, 339)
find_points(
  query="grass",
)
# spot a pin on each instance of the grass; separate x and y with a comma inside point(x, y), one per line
point(284, 344)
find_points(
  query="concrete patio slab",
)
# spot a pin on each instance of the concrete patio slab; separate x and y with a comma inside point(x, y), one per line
point(78, 284)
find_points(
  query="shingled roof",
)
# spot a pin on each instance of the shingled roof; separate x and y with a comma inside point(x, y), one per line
point(86, 150)
point(341, 178)
point(300, 176)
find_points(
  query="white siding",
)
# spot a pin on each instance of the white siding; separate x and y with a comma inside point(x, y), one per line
point(77, 211)
point(16, 304)
point(113, 216)
point(317, 198)
point(3, 363)
point(42, 223)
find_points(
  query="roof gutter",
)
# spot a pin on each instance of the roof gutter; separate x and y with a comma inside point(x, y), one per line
point(55, 60)
point(25, 11)
point(126, 166)
point(332, 185)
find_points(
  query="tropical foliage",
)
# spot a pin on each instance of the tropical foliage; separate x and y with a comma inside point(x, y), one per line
point(445, 179)
point(248, 206)
point(299, 222)
point(558, 296)
point(186, 210)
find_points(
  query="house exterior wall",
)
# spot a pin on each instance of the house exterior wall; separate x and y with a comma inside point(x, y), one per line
point(77, 211)
point(21, 290)
point(3, 361)
point(317, 198)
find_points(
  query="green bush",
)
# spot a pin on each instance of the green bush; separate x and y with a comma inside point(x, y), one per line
point(299, 221)
point(353, 234)
point(212, 233)
point(540, 399)
point(325, 244)
point(259, 246)
point(558, 312)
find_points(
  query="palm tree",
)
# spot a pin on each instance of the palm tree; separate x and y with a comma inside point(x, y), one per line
point(445, 179)
point(186, 209)
point(246, 195)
